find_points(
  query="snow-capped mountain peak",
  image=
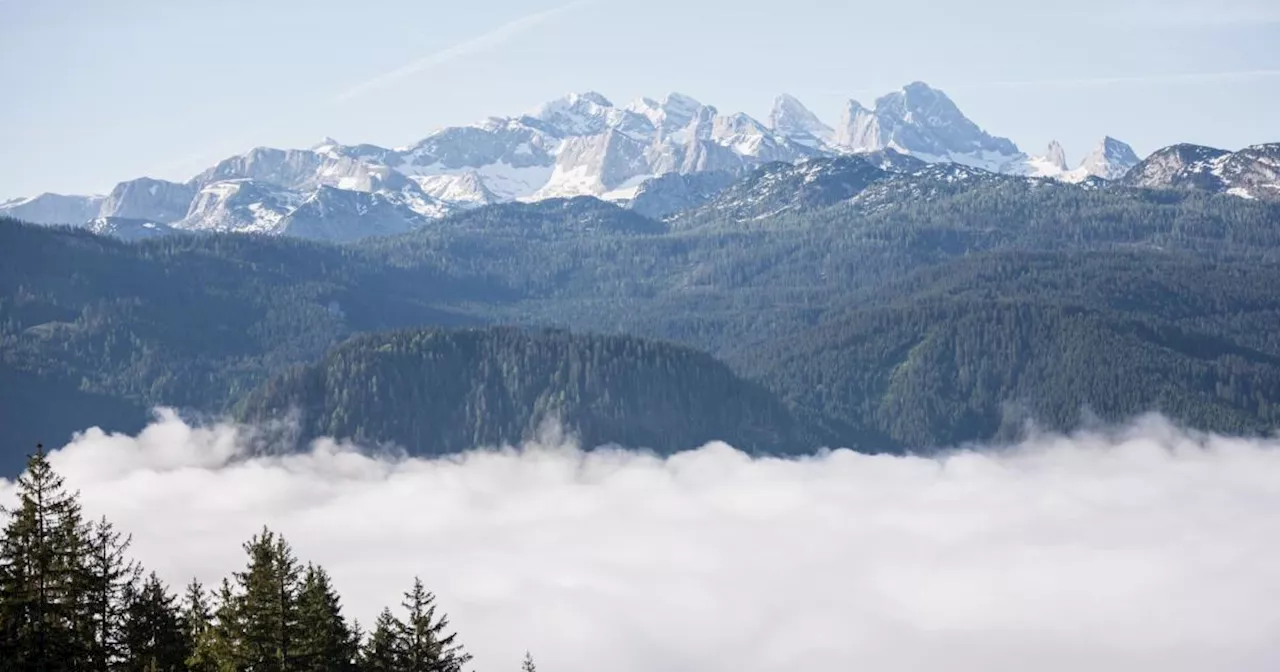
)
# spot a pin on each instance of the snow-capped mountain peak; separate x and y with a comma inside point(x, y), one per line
point(1057, 155)
point(1110, 159)
point(672, 114)
point(917, 99)
point(325, 143)
point(1053, 163)
point(922, 106)
point(923, 121)
point(681, 106)
point(575, 114)
point(790, 119)
point(586, 101)
point(583, 144)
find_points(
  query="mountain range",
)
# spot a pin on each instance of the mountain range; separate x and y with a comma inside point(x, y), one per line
point(883, 303)
point(678, 148)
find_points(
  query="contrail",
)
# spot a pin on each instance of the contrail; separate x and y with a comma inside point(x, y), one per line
point(476, 44)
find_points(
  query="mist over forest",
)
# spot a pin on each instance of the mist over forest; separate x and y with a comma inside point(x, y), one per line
point(1152, 543)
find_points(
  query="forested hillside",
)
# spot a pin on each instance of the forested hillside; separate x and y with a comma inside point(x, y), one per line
point(94, 330)
point(934, 306)
point(977, 347)
point(445, 391)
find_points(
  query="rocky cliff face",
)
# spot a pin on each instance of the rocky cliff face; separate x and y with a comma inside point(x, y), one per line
point(148, 199)
point(1253, 172)
point(1110, 160)
point(924, 122)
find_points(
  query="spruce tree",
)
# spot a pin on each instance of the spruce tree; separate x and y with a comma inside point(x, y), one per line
point(154, 638)
point(385, 650)
point(42, 556)
point(267, 606)
point(325, 642)
point(108, 576)
point(197, 627)
point(220, 648)
point(527, 665)
point(70, 601)
point(429, 647)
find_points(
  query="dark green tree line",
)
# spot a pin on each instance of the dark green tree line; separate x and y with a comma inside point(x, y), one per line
point(72, 600)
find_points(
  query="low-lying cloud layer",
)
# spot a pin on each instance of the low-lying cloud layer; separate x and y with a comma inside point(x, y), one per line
point(1143, 548)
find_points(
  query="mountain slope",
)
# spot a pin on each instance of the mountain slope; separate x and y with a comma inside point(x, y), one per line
point(554, 219)
point(192, 321)
point(340, 215)
point(53, 209)
point(147, 199)
point(973, 349)
point(38, 408)
point(128, 229)
point(436, 392)
point(781, 187)
point(1253, 172)
point(669, 194)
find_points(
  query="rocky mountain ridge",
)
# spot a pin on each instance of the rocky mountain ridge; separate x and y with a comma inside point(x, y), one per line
point(646, 152)
point(1253, 172)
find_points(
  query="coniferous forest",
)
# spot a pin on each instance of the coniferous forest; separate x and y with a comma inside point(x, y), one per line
point(929, 311)
point(73, 600)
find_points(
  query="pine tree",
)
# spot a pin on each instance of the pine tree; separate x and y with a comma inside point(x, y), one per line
point(154, 640)
point(42, 558)
point(385, 650)
point(527, 665)
point(325, 643)
point(428, 645)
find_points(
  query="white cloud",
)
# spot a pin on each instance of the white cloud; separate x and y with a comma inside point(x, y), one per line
point(1144, 548)
point(488, 40)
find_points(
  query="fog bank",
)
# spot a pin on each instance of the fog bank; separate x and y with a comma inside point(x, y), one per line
point(1144, 547)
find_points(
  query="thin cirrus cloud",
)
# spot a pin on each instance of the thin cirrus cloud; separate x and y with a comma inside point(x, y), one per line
point(1087, 82)
point(1230, 14)
point(1222, 14)
point(1144, 547)
point(181, 167)
point(488, 40)
point(1101, 81)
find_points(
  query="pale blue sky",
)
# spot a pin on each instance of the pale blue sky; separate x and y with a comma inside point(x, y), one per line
point(98, 91)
